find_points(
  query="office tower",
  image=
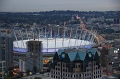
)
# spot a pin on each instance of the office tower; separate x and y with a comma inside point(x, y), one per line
point(2, 69)
point(6, 48)
point(76, 64)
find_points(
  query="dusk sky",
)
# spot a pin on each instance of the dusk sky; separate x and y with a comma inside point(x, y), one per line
point(49, 5)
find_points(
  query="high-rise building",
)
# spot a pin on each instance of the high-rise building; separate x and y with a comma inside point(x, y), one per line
point(6, 48)
point(34, 57)
point(76, 64)
point(2, 69)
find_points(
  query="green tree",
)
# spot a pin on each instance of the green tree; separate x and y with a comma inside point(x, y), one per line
point(37, 78)
point(10, 75)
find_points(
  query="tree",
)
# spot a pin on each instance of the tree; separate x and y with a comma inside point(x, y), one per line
point(37, 78)
point(10, 75)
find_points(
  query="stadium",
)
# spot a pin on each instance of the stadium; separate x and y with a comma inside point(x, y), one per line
point(51, 43)
point(52, 40)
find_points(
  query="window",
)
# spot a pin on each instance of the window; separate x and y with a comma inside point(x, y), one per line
point(63, 74)
point(96, 68)
point(75, 65)
point(58, 68)
point(89, 64)
point(58, 64)
point(80, 75)
point(0, 64)
point(51, 72)
point(0, 75)
point(58, 72)
point(58, 77)
point(76, 75)
point(0, 69)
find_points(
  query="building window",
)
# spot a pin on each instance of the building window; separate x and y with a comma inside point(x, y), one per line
point(68, 75)
point(51, 72)
point(76, 75)
point(58, 77)
point(80, 75)
point(58, 72)
point(58, 64)
point(0, 64)
point(63, 74)
point(0, 69)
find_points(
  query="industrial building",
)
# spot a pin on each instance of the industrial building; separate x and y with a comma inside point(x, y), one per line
point(77, 64)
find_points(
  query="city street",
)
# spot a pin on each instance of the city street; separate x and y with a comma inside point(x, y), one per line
point(43, 76)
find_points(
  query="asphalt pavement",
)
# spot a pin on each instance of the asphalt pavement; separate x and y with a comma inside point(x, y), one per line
point(43, 76)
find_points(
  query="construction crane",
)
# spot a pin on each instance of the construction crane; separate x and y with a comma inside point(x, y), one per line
point(99, 39)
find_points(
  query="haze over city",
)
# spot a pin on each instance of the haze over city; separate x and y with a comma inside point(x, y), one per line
point(49, 5)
